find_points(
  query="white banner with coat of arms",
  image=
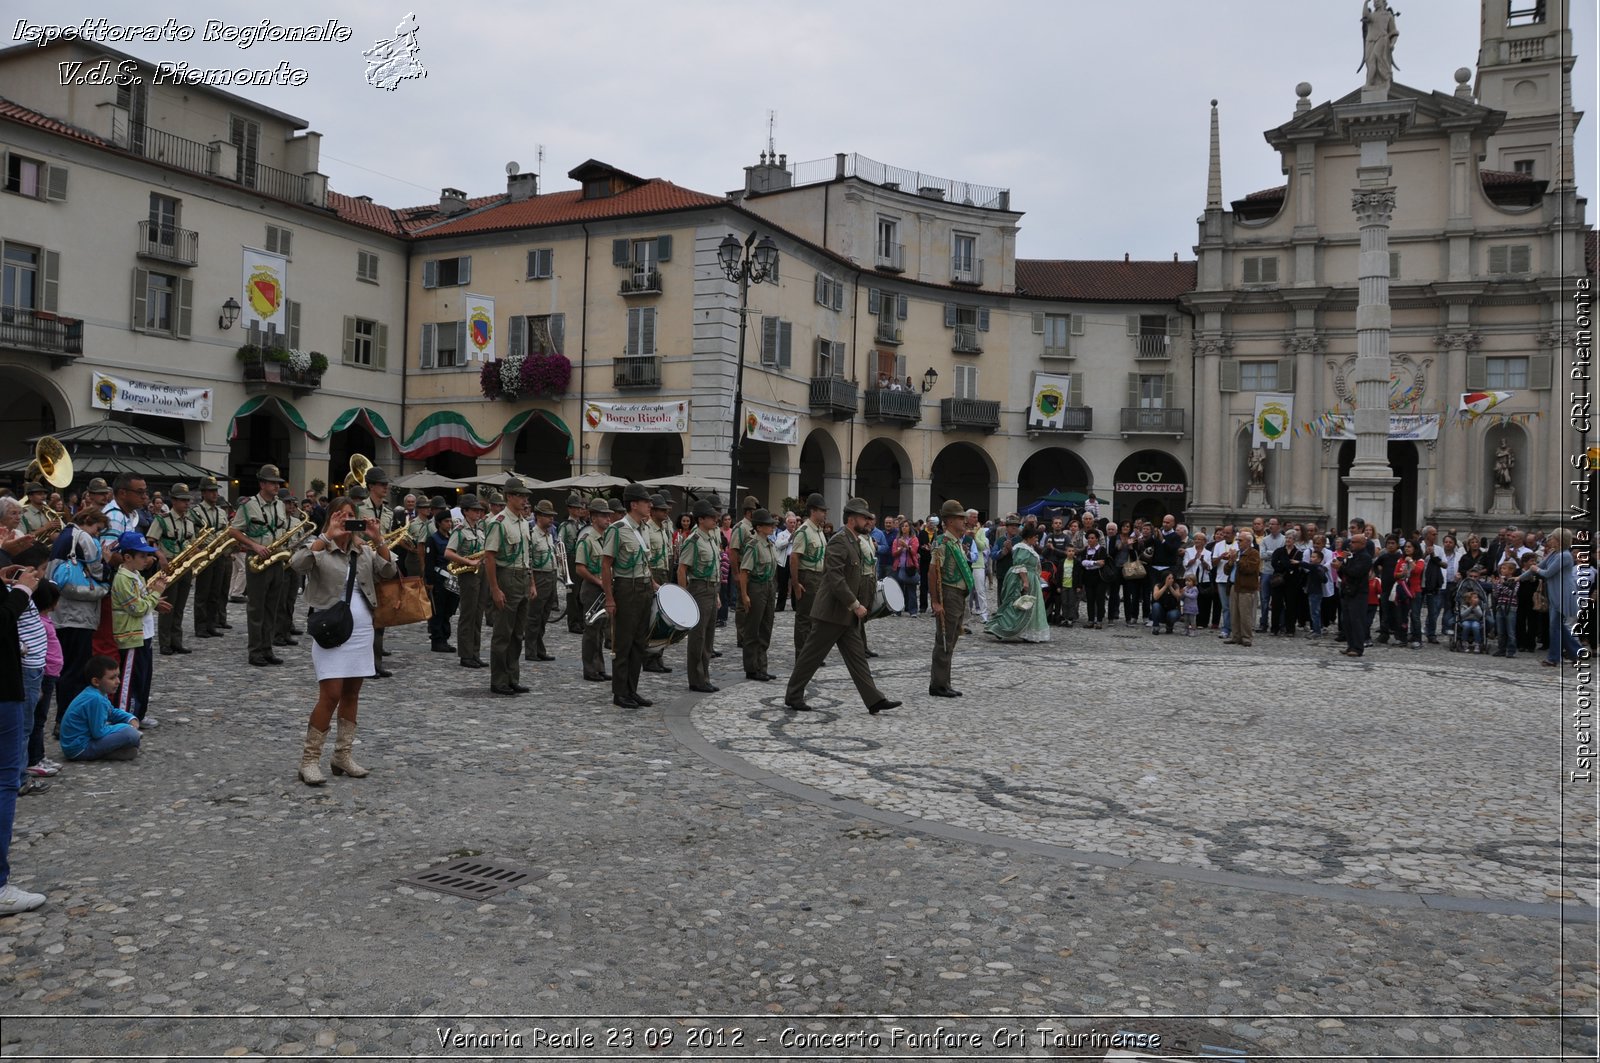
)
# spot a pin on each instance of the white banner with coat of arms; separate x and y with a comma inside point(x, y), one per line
point(480, 327)
point(144, 396)
point(1048, 408)
point(266, 283)
point(768, 426)
point(1274, 420)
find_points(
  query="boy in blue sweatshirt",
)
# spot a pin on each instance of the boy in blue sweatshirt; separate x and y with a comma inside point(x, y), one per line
point(95, 729)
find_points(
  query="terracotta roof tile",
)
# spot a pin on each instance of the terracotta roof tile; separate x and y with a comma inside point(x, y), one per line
point(1505, 178)
point(1268, 193)
point(1105, 282)
point(556, 208)
point(362, 211)
point(24, 116)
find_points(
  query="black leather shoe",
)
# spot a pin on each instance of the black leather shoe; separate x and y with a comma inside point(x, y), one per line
point(656, 666)
point(181, 649)
point(716, 653)
point(225, 624)
point(520, 689)
point(168, 653)
point(643, 703)
point(442, 647)
point(870, 653)
point(593, 678)
point(605, 677)
point(507, 691)
point(286, 642)
point(883, 706)
point(205, 634)
point(297, 631)
point(767, 677)
point(384, 673)
point(543, 657)
point(275, 659)
point(625, 703)
point(708, 689)
point(387, 653)
point(472, 662)
point(800, 706)
point(259, 662)
point(942, 692)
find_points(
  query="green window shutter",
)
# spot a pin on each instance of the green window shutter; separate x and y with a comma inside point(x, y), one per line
point(430, 274)
point(56, 184)
point(838, 360)
point(185, 316)
point(621, 253)
point(820, 289)
point(1394, 265)
point(902, 304)
point(547, 262)
point(949, 315)
point(291, 314)
point(1540, 372)
point(633, 331)
point(381, 339)
point(1075, 389)
point(464, 269)
point(272, 239)
point(786, 344)
point(1133, 390)
point(1497, 259)
point(1285, 374)
point(533, 265)
point(1169, 391)
point(1252, 271)
point(900, 367)
point(838, 295)
point(983, 319)
point(874, 300)
point(1077, 325)
point(51, 281)
point(1477, 372)
point(517, 331)
point(429, 341)
point(663, 248)
point(558, 332)
point(1269, 270)
point(348, 350)
point(769, 340)
point(647, 330)
point(1038, 324)
point(1228, 374)
point(141, 285)
point(1132, 322)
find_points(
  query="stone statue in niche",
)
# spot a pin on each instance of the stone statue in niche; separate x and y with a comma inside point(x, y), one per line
point(1378, 34)
point(1504, 464)
point(1257, 462)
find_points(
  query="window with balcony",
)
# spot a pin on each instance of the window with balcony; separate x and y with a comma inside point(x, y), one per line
point(1152, 334)
point(1261, 270)
point(279, 240)
point(969, 323)
point(890, 371)
point(447, 272)
point(642, 259)
point(891, 254)
point(27, 281)
point(541, 263)
point(830, 359)
point(641, 332)
point(367, 266)
point(1531, 13)
point(443, 345)
point(1057, 331)
point(536, 334)
point(366, 343)
point(245, 136)
point(164, 212)
point(34, 178)
point(133, 99)
point(1510, 258)
point(966, 382)
point(162, 302)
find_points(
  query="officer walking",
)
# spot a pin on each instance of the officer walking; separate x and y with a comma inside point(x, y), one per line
point(630, 592)
point(505, 575)
point(698, 558)
point(211, 584)
point(949, 583)
point(172, 531)
point(837, 614)
point(591, 589)
point(260, 519)
point(571, 529)
point(542, 595)
point(660, 534)
point(805, 567)
point(757, 567)
point(467, 539)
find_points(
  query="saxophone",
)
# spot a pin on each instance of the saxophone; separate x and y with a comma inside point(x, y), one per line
point(461, 568)
point(282, 548)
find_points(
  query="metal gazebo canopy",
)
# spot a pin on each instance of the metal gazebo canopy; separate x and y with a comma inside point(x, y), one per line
point(106, 448)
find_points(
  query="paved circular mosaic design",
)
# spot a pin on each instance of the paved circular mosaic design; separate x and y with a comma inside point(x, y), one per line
point(1414, 771)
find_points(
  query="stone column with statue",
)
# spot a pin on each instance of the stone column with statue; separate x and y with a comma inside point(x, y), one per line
point(1505, 494)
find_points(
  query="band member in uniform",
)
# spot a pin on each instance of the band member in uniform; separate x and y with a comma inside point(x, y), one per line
point(698, 558)
point(571, 528)
point(837, 613)
point(289, 588)
point(376, 505)
point(546, 580)
point(259, 520)
point(36, 515)
point(757, 567)
point(465, 540)
point(625, 575)
point(949, 583)
point(736, 539)
point(591, 589)
point(869, 572)
point(443, 589)
point(659, 530)
point(805, 567)
point(211, 583)
point(497, 505)
point(505, 576)
point(172, 531)
point(420, 524)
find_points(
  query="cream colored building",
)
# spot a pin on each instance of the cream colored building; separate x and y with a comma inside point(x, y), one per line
point(1487, 241)
point(125, 216)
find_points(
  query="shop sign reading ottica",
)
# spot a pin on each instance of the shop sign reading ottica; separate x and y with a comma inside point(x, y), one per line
point(1149, 483)
point(768, 426)
point(636, 416)
point(158, 400)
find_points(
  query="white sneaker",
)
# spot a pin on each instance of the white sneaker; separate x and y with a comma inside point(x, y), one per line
point(47, 762)
point(13, 900)
point(149, 723)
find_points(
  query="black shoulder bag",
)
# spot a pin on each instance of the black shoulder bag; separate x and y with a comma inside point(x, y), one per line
point(332, 627)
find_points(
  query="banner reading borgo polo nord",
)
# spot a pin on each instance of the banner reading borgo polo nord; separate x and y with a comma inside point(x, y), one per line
point(769, 426)
point(266, 283)
point(636, 416)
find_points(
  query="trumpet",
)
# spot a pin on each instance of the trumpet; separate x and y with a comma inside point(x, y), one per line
point(184, 562)
point(282, 548)
point(561, 562)
point(461, 568)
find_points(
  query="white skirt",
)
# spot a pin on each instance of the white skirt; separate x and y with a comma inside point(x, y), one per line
point(353, 660)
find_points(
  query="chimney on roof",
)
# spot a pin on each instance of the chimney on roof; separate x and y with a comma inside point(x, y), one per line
point(365, 199)
point(1126, 257)
point(452, 201)
point(1174, 256)
point(931, 192)
point(521, 186)
point(771, 174)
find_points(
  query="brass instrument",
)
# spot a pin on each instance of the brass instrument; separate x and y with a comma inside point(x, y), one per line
point(282, 548)
point(561, 561)
point(184, 562)
point(220, 546)
point(399, 537)
point(53, 465)
point(360, 465)
point(596, 613)
point(461, 568)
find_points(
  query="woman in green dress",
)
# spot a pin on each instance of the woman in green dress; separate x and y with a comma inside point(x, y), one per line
point(1021, 617)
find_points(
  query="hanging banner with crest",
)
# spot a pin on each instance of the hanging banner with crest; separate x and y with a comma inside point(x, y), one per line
point(480, 327)
point(265, 290)
point(1274, 420)
point(769, 426)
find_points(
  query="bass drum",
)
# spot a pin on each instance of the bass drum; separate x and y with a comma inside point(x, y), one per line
point(889, 599)
point(673, 615)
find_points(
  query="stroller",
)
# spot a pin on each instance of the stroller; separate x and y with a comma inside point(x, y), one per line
point(1476, 580)
point(1051, 585)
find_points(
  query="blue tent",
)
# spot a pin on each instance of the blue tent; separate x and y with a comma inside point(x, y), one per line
point(1055, 500)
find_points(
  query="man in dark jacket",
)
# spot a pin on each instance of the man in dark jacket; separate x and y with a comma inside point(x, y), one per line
point(1354, 570)
point(1385, 566)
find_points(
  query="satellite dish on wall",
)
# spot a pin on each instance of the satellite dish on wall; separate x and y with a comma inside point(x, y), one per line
point(512, 168)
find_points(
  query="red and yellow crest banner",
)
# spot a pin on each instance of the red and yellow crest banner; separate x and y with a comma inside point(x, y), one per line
point(265, 280)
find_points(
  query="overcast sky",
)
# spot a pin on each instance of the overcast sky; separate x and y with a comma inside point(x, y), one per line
point(1094, 115)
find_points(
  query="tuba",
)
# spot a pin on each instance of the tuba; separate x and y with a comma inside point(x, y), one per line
point(53, 465)
point(360, 465)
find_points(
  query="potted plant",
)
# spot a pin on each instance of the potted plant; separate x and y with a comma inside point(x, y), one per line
point(250, 357)
point(545, 375)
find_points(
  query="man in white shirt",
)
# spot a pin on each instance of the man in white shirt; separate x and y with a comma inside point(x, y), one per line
point(977, 557)
point(782, 543)
point(1268, 543)
point(1223, 553)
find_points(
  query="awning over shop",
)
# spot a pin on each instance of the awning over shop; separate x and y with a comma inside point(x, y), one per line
point(108, 448)
point(450, 432)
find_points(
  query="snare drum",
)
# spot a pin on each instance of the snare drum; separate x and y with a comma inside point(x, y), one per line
point(673, 614)
point(888, 599)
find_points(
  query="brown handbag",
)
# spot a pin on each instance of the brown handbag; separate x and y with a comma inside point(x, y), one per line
point(402, 601)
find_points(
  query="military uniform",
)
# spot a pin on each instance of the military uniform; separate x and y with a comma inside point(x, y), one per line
point(949, 583)
point(261, 521)
point(660, 536)
point(759, 565)
point(627, 544)
point(467, 539)
point(737, 537)
point(174, 533)
point(869, 577)
point(211, 584)
point(810, 545)
point(370, 507)
point(587, 556)
point(35, 515)
point(570, 530)
point(845, 585)
point(542, 603)
point(700, 556)
point(507, 538)
point(288, 594)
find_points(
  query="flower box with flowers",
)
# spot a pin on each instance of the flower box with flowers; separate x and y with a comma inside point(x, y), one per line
point(533, 376)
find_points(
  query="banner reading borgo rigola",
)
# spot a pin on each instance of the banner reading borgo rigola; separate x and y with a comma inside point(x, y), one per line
point(636, 416)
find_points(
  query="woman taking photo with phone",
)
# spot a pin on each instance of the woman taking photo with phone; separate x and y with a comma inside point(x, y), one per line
point(340, 566)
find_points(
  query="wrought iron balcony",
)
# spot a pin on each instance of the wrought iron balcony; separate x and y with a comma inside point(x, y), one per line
point(967, 342)
point(834, 397)
point(42, 331)
point(1074, 419)
point(968, 271)
point(638, 371)
point(1056, 352)
point(1139, 421)
point(641, 282)
point(165, 147)
point(893, 407)
point(982, 415)
point(261, 373)
point(1150, 345)
point(888, 334)
point(892, 258)
point(168, 243)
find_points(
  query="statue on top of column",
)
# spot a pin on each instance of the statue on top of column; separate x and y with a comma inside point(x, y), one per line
point(1378, 34)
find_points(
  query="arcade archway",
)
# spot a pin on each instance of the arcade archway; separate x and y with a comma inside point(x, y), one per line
point(28, 408)
point(1051, 469)
point(963, 471)
point(881, 473)
point(343, 444)
point(543, 451)
point(1149, 484)
point(261, 438)
point(819, 465)
point(646, 455)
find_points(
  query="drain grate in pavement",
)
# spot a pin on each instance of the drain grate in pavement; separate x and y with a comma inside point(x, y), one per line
point(474, 879)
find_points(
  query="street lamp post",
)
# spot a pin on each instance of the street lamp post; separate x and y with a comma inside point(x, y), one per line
point(745, 265)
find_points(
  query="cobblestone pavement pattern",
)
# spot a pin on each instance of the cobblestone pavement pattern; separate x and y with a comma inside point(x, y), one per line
point(203, 878)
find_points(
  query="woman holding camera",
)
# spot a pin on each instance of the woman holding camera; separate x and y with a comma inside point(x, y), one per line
point(350, 553)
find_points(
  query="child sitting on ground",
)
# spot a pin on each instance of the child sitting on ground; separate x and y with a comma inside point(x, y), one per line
point(95, 729)
point(1469, 623)
point(1191, 604)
